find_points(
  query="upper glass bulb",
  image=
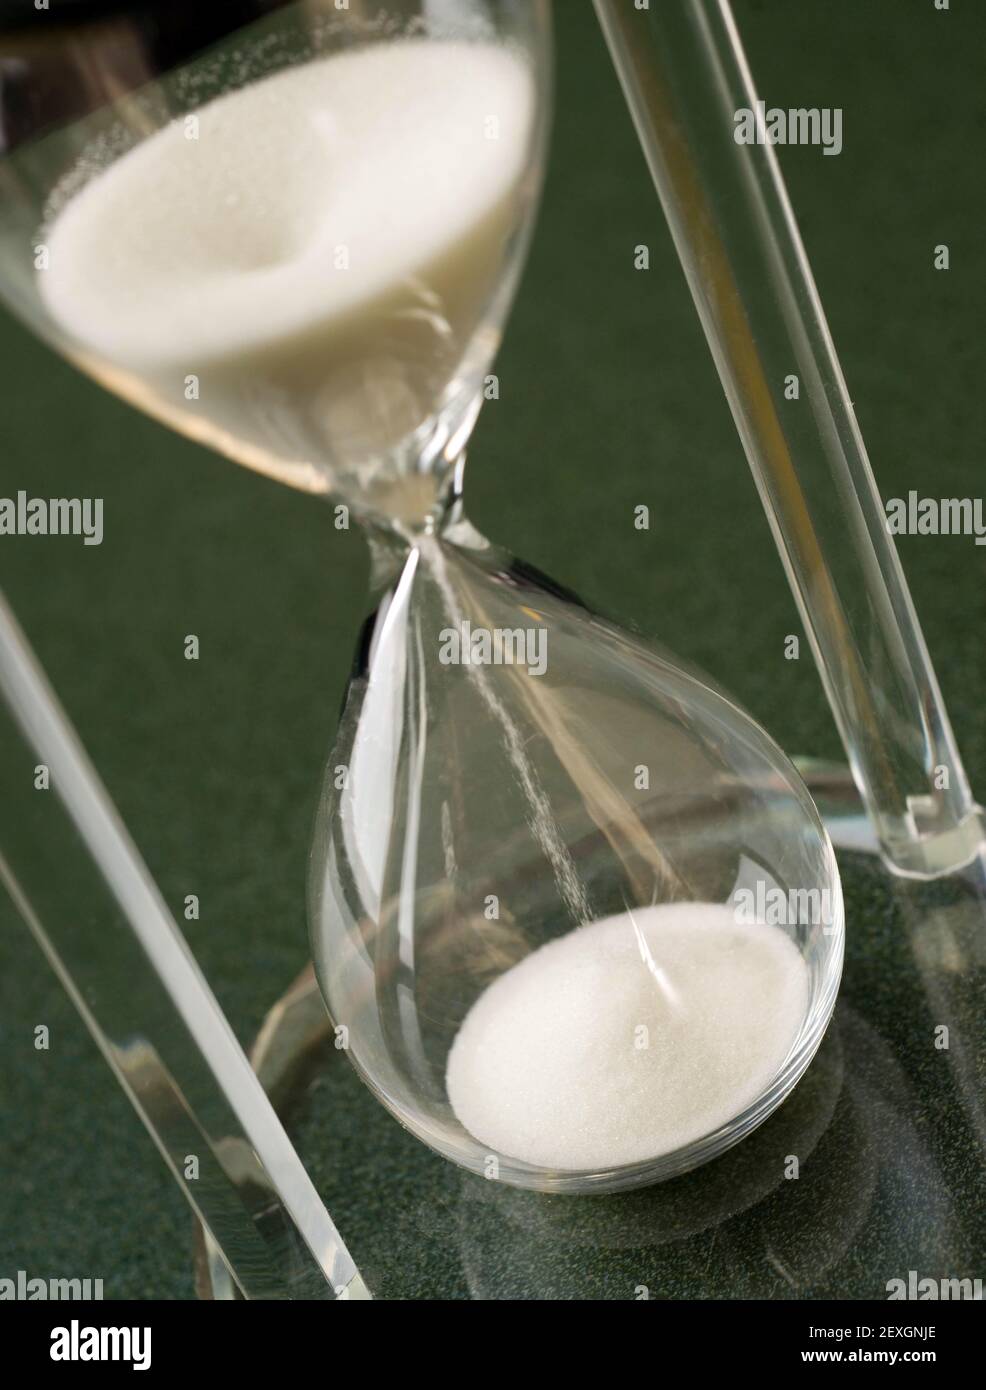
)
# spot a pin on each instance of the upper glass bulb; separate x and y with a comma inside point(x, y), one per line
point(298, 248)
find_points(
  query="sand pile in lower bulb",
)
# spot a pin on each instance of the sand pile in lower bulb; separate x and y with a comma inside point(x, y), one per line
point(627, 1038)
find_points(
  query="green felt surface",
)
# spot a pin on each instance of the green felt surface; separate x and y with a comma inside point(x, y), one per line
point(608, 399)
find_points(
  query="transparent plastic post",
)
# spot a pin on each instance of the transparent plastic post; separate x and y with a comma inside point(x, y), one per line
point(73, 875)
point(684, 75)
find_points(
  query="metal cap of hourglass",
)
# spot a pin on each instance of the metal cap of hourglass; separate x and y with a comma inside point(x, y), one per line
point(607, 782)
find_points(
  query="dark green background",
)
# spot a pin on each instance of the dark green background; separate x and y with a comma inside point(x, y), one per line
point(608, 400)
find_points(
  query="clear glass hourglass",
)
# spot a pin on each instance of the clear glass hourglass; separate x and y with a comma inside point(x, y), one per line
point(574, 916)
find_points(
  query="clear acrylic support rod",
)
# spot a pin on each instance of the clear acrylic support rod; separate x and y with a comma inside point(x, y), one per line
point(685, 76)
point(74, 876)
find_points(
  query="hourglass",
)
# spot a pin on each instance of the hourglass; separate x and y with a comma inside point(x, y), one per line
point(575, 917)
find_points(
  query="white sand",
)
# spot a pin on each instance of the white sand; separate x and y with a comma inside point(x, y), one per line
point(548, 1065)
point(319, 260)
point(185, 249)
